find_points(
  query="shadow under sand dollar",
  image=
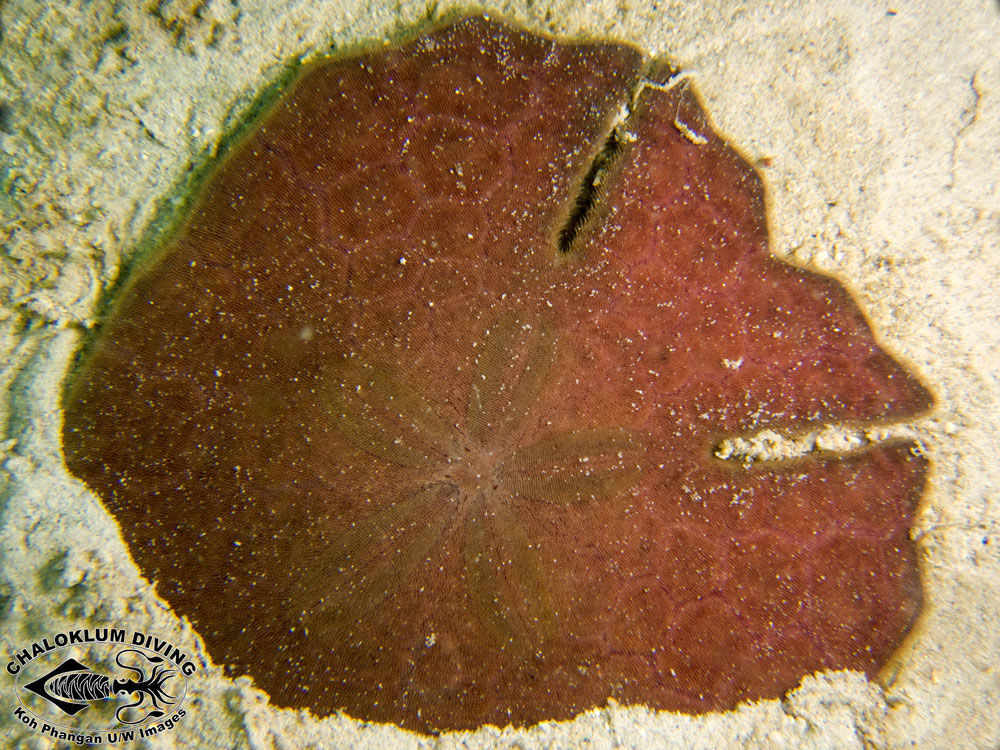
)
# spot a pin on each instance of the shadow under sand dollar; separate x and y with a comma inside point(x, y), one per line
point(413, 416)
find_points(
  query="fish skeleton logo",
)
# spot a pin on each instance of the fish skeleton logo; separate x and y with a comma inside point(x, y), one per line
point(100, 686)
point(72, 686)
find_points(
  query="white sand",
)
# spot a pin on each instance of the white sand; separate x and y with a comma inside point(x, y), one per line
point(883, 133)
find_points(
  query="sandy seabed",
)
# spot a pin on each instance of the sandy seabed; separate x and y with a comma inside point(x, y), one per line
point(880, 125)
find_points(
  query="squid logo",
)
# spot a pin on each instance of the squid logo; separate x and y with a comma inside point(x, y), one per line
point(72, 687)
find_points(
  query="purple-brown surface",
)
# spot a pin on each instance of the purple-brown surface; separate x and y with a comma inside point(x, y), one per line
point(399, 443)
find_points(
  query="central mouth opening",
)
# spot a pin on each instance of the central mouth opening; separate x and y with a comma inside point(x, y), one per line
point(473, 470)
